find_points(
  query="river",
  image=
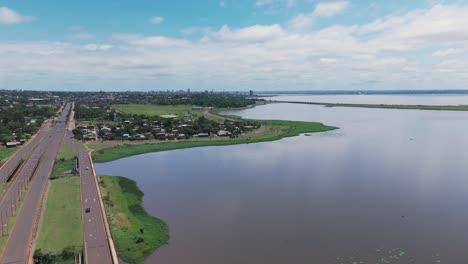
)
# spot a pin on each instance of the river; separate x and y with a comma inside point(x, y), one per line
point(389, 185)
point(398, 99)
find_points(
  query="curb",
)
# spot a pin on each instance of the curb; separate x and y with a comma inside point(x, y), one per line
point(115, 260)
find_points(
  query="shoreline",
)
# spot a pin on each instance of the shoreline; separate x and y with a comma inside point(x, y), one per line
point(459, 108)
point(123, 197)
point(275, 130)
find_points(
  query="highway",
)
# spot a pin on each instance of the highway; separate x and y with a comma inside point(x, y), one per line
point(14, 161)
point(19, 244)
point(97, 244)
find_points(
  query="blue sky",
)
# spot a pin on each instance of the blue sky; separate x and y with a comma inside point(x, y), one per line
point(233, 45)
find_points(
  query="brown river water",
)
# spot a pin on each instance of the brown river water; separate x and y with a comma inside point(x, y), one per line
point(390, 186)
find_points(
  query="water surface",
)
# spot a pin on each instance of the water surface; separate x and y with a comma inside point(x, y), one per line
point(401, 99)
point(390, 185)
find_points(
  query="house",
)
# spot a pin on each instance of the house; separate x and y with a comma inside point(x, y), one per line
point(181, 136)
point(203, 135)
point(106, 130)
point(160, 136)
point(126, 136)
point(223, 133)
point(168, 116)
point(11, 144)
point(116, 118)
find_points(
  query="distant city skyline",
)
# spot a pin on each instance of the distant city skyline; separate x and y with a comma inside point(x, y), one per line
point(233, 45)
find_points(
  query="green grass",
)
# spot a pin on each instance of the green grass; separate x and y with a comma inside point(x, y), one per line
point(153, 110)
point(6, 153)
point(275, 130)
point(64, 161)
point(157, 110)
point(65, 152)
point(61, 223)
point(136, 234)
point(396, 106)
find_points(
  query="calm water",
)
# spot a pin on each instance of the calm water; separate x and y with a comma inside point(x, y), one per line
point(429, 99)
point(390, 185)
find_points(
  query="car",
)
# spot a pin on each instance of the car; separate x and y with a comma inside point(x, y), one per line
point(88, 210)
point(87, 168)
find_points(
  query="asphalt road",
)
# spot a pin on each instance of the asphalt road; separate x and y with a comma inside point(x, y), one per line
point(96, 244)
point(20, 239)
point(14, 161)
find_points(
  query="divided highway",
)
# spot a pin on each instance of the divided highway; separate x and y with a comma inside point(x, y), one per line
point(14, 161)
point(98, 245)
point(19, 244)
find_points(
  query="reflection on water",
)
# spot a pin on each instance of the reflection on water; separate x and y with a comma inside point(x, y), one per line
point(388, 187)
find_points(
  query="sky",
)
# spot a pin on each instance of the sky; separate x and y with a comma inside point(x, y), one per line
point(233, 45)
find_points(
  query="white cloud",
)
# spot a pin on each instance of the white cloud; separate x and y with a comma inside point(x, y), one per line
point(9, 16)
point(327, 9)
point(156, 20)
point(378, 55)
point(444, 53)
point(252, 33)
point(305, 21)
point(301, 22)
point(327, 60)
point(97, 47)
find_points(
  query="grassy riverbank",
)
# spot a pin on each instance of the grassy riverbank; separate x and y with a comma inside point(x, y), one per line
point(271, 130)
point(388, 106)
point(61, 230)
point(136, 234)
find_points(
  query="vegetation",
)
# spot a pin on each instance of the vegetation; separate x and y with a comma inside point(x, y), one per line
point(60, 236)
point(136, 234)
point(386, 106)
point(204, 99)
point(153, 110)
point(64, 162)
point(5, 154)
point(272, 130)
point(21, 120)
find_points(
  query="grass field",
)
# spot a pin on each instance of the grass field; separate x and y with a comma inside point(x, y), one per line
point(5, 153)
point(65, 152)
point(64, 161)
point(61, 225)
point(157, 110)
point(153, 110)
point(273, 130)
point(136, 234)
